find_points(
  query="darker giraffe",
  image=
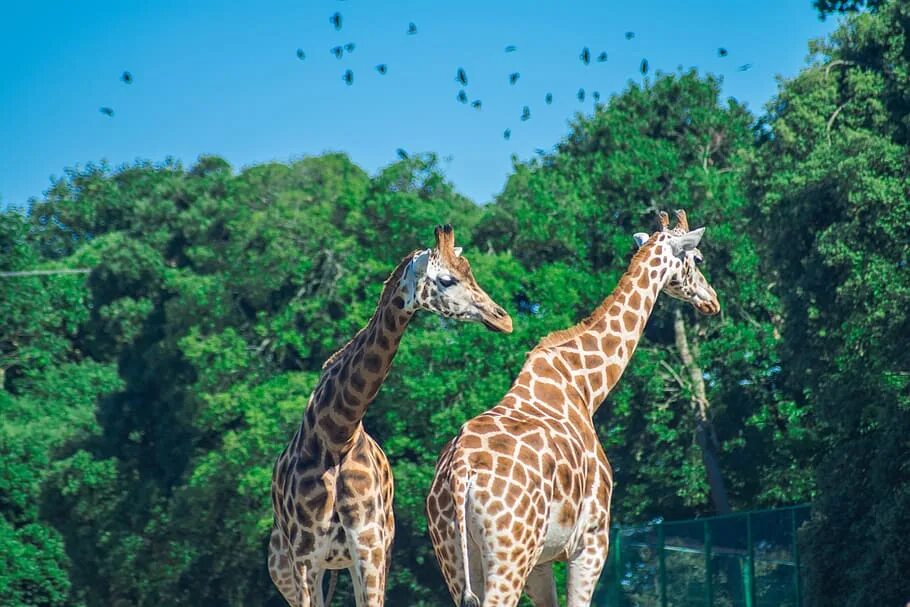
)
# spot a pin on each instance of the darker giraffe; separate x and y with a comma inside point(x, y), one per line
point(527, 483)
point(332, 485)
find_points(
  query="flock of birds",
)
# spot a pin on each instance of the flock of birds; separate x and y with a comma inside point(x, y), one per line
point(461, 76)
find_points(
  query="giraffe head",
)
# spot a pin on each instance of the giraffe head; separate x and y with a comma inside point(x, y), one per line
point(685, 282)
point(440, 280)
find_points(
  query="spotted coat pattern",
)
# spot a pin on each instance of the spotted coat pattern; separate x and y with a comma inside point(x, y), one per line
point(527, 482)
point(332, 485)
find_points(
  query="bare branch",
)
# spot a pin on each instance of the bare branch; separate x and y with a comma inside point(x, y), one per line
point(837, 62)
point(674, 374)
point(704, 431)
point(831, 122)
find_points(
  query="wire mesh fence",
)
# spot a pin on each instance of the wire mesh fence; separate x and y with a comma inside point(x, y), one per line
point(747, 559)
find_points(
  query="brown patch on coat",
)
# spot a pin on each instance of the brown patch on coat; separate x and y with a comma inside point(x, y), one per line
point(559, 338)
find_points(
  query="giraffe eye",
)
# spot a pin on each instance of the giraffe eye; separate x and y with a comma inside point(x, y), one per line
point(698, 259)
point(447, 281)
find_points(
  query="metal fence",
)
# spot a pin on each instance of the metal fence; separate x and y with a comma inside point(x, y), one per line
point(747, 559)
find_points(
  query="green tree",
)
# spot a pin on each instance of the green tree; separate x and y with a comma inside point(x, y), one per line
point(669, 144)
point(47, 398)
point(831, 184)
point(827, 7)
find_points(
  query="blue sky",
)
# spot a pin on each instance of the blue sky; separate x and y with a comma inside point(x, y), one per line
point(223, 78)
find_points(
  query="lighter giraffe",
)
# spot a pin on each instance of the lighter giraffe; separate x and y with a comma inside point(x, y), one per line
point(527, 483)
point(332, 485)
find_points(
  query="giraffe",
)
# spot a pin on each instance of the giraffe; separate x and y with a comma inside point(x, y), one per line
point(527, 482)
point(332, 485)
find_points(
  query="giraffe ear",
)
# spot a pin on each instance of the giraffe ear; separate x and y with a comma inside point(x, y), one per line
point(640, 239)
point(686, 242)
point(420, 260)
point(458, 251)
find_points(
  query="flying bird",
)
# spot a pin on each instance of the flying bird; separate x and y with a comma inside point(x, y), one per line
point(300, 54)
point(722, 52)
point(337, 51)
point(107, 111)
point(382, 68)
point(745, 67)
point(643, 67)
point(462, 96)
point(602, 58)
point(630, 35)
point(127, 78)
point(461, 77)
point(336, 20)
point(507, 134)
point(511, 48)
point(549, 98)
point(412, 28)
point(581, 94)
point(476, 104)
point(348, 77)
point(585, 55)
point(349, 47)
point(525, 114)
point(513, 77)
point(596, 96)
point(540, 151)
point(401, 153)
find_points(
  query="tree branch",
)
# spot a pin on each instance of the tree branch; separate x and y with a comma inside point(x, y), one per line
point(837, 62)
point(831, 121)
point(703, 429)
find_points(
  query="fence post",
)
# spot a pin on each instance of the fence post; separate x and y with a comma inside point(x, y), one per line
point(749, 585)
point(709, 590)
point(616, 590)
point(661, 562)
point(797, 578)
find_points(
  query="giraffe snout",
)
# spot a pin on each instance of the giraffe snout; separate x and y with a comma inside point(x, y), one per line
point(495, 318)
point(707, 302)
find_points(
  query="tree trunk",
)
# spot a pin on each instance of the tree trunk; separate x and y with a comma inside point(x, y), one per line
point(704, 432)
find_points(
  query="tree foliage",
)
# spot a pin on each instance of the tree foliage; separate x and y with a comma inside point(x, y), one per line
point(827, 7)
point(144, 404)
point(831, 184)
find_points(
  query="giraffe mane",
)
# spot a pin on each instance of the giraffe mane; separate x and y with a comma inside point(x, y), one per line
point(561, 336)
point(393, 279)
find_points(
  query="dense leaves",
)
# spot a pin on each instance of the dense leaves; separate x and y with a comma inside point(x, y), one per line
point(144, 404)
point(832, 188)
point(827, 7)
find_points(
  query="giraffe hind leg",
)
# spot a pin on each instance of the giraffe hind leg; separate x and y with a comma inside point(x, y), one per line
point(311, 588)
point(507, 566)
point(368, 571)
point(281, 568)
point(445, 544)
point(584, 571)
point(445, 547)
point(300, 585)
point(541, 587)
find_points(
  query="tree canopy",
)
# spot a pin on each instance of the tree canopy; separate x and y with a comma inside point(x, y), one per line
point(144, 404)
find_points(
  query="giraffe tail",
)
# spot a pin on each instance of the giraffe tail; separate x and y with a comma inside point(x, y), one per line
point(460, 483)
point(333, 581)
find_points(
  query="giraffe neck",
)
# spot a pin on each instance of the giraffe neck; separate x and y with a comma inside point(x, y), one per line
point(351, 378)
point(593, 355)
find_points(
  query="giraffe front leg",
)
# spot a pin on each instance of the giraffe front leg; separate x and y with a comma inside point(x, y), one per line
point(585, 569)
point(541, 587)
point(369, 551)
